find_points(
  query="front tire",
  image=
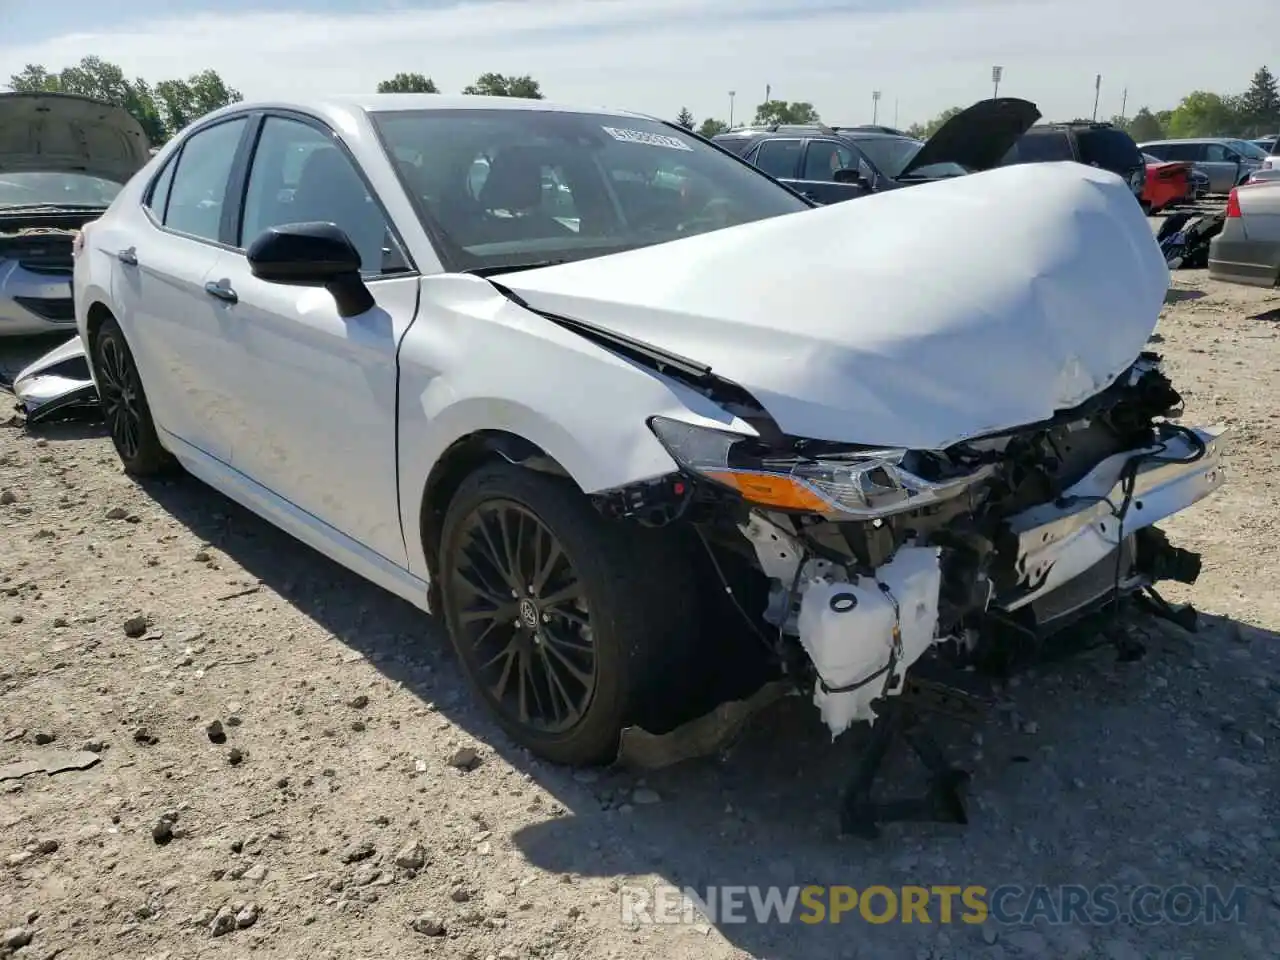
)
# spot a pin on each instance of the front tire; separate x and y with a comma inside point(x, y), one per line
point(568, 626)
point(124, 405)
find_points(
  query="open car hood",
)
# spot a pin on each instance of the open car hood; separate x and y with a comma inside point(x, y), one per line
point(63, 133)
point(57, 383)
point(912, 318)
point(979, 137)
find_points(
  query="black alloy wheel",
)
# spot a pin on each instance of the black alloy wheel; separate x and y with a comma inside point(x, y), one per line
point(124, 404)
point(524, 618)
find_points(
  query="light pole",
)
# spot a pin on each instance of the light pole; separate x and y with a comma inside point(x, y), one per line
point(1097, 92)
point(732, 94)
point(875, 105)
point(996, 74)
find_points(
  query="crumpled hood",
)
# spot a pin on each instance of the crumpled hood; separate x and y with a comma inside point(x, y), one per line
point(63, 133)
point(912, 318)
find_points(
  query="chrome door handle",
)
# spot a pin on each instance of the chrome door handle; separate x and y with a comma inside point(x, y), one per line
point(221, 292)
point(128, 257)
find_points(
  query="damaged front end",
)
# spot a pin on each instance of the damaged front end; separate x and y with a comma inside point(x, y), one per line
point(870, 560)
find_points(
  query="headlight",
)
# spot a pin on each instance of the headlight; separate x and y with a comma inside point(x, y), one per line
point(859, 485)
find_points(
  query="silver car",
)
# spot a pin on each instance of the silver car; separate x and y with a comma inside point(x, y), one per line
point(1248, 248)
point(1226, 161)
point(63, 159)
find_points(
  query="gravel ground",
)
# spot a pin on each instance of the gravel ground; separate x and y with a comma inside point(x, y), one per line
point(350, 801)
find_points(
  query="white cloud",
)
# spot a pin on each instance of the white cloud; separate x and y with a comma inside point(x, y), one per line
point(659, 55)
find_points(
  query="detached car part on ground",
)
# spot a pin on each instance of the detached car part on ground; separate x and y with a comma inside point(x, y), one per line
point(656, 478)
point(57, 385)
point(63, 158)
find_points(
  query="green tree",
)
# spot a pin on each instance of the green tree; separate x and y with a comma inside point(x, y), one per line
point(1260, 104)
point(712, 127)
point(1203, 114)
point(497, 85)
point(408, 83)
point(685, 118)
point(182, 102)
point(161, 110)
point(923, 131)
point(1145, 125)
point(780, 111)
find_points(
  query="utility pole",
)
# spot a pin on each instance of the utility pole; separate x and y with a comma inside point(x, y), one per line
point(895, 113)
point(732, 94)
point(1124, 102)
point(1097, 92)
point(996, 74)
point(875, 105)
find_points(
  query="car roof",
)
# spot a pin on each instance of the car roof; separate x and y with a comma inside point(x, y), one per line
point(1154, 143)
point(337, 108)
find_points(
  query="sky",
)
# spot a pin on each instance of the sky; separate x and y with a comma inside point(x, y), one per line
point(656, 56)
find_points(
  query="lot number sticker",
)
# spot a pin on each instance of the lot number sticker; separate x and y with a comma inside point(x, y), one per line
point(650, 139)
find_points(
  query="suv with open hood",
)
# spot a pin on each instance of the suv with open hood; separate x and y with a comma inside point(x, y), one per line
point(63, 159)
point(830, 164)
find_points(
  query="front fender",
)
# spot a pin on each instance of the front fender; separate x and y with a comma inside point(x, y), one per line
point(475, 361)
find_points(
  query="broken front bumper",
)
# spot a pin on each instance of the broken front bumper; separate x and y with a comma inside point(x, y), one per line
point(1059, 541)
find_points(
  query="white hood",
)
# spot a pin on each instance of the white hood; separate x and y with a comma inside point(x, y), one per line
point(914, 317)
point(57, 132)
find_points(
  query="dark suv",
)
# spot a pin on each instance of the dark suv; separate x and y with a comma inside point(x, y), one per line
point(830, 164)
point(1096, 144)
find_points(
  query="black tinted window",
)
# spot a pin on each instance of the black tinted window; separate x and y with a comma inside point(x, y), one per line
point(1041, 148)
point(160, 190)
point(736, 145)
point(779, 158)
point(299, 175)
point(1112, 150)
point(1179, 151)
point(200, 184)
point(505, 187)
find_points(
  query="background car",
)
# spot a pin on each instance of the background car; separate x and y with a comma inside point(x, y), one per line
point(1168, 183)
point(1248, 248)
point(830, 164)
point(63, 159)
point(1099, 145)
point(1226, 161)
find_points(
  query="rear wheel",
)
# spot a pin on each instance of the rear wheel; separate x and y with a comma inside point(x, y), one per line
point(568, 626)
point(124, 404)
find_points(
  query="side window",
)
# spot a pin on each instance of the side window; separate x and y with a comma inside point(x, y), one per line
point(160, 190)
point(1215, 153)
point(1047, 147)
point(199, 185)
point(300, 175)
point(825, 157)
point(779, 158)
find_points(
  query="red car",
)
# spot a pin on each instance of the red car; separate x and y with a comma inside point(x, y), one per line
point(1168, 183)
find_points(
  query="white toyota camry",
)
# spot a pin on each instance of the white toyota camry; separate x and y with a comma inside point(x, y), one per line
point(628, 413)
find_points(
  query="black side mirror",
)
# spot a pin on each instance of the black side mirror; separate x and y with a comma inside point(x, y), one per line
point(848, 175)
point(312, 255)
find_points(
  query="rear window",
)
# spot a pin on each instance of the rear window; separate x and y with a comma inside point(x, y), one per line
point(1041, 148)
point(1112, 150)
point(736, 145)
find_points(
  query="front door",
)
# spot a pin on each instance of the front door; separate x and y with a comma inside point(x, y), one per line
point(318, 392)
point(1223, 170)
point(822, 158)
point(176, 331)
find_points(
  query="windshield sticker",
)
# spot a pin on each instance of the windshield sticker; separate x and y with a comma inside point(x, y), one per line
point(649, 139)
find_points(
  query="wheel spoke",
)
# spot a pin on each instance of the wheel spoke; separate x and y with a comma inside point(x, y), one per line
point(496, 556)
point(570, 591)
point(575, 671)
point(557, 685)
point(546, 565)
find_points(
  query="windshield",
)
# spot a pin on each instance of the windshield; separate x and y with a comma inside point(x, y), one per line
point(19, 189)
point(892, 154)
point(509, 187)
point(1251, 150)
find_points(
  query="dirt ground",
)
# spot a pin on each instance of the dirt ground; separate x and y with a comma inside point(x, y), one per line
point(335, 818)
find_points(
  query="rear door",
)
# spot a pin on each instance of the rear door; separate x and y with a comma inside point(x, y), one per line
point(822, 158)
point(175, 329)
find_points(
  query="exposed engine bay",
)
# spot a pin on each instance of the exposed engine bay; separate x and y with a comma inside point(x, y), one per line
point(869, 560)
